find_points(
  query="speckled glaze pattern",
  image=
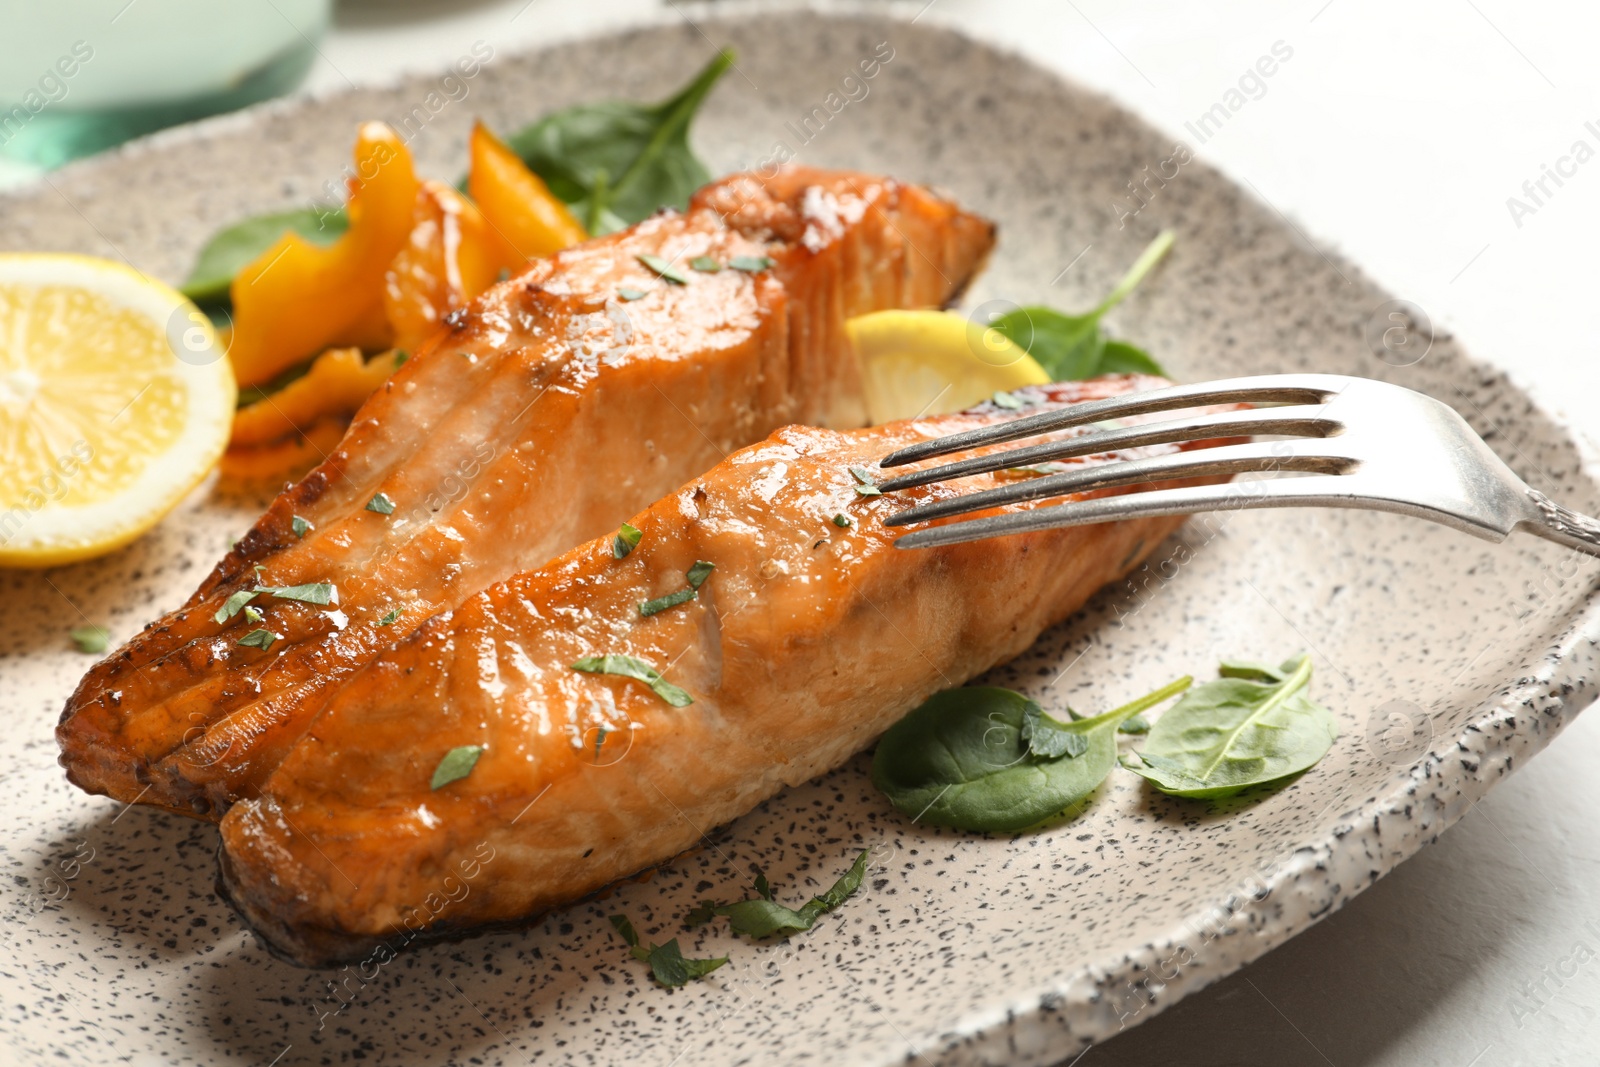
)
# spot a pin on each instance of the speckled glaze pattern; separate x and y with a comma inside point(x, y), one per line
point(1448, 661)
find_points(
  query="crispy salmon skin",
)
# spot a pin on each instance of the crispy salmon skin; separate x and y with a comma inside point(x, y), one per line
point(558, 404)
point(809, 636)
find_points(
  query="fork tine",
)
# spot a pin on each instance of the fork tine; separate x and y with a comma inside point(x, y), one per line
point(1296, 421)
point(1260, 389)
point(1209, 462)
point(1329, 490)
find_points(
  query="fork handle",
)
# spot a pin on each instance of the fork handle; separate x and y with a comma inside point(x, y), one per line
point(1564, 526)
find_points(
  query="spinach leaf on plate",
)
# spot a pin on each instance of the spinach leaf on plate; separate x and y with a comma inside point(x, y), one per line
point(1256, 725)
point(985, 758)
point(235, 247)
point(617, 161)
point(1074, 347)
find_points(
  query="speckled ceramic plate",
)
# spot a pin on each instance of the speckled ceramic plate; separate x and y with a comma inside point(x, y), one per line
point(1448, 661)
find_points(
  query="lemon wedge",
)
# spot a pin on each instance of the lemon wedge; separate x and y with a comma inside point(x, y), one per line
point(934, 362)
point(115, 400)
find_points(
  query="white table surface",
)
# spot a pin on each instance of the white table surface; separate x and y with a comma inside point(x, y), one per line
point(1395, 133)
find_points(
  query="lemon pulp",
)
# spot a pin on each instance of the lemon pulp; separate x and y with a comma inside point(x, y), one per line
point(933, 362)
point(115, 400)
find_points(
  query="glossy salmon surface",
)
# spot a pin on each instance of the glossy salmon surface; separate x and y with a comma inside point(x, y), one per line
point(809, 636)
point(557, 404)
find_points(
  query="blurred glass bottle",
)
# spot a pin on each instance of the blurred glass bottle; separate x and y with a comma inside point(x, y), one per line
point(77, 76)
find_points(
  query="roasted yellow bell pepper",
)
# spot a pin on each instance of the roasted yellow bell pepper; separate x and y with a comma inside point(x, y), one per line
point(515, 201)
point(450, 256)
point(285, 459)
point(336, 386)
point(298, 298)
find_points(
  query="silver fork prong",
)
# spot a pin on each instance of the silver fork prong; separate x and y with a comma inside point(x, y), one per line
point(1202, 463)
point(1295, 421)
point(1320, 490)
point(1267, 389)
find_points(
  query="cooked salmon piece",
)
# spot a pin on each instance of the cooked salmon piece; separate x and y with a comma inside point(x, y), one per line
point(809, 636)
point(556, 405)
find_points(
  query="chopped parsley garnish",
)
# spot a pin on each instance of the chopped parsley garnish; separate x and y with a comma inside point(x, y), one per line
point(761, 916)
point(253, 614)
point(667, 962)
point(638, 669)
point(752, 264)
point(631, 294)
point(389, 617)
point(381, 504)
point(665, 269)
point(662, 603)
point(865, 486)
point(456, 764)
point(400, 357)
point(91, 639)
point(868, 490)
point(320, 593)
point(235, 604)
point(262, 639)
point(706, 264)
point(698, 574)
point(842, 520)
point(1006, 400)
point(627, 540)
point(300, 526)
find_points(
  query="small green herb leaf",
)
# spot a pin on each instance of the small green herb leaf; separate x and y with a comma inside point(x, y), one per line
point(235, 604)
point(253, 614)
point(698, 573)
point(625, 928)
point(235, 247)
point(262, 639)
point(841, 520)
point(663, 268)
point(1006, 400)
point(456, 764)
point(627, 540)
point(390, 617)
point(400, 357)
point(662, 603)
point(961, 759)
point(631, 294)
point(300, 526)
point(617, 162)
point(320, 593)
point(706, 264)
point(752, 264)
point(638, 669)
point(1074, 347)
point(761, 916)
point(1255, 727)
point(90, 639)
point(381, 504)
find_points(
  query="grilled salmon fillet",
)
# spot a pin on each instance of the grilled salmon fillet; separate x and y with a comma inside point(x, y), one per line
point(556, 405)
point(806, 641)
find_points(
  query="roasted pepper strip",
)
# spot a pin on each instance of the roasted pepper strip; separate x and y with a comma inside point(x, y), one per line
point(336, 386)
point(517, 204)
point(450, 256)
point(284, 459)
point(298, 298)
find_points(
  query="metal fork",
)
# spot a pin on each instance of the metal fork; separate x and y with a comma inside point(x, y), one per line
point(1359, 444)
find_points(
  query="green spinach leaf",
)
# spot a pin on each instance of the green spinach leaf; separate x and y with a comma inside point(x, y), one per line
point(1074, 347)
point(1256, 725)
point(617, 162)
point(235, 247)
point(961, 758)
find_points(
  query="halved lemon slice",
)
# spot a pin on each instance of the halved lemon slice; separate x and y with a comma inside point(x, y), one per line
point(115, 400)
point(933, 362)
